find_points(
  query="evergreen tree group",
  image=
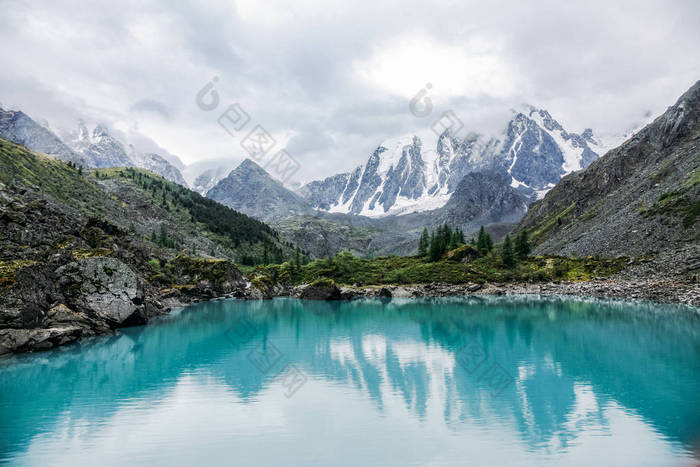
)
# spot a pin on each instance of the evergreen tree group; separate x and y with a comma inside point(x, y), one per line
point(436, 243)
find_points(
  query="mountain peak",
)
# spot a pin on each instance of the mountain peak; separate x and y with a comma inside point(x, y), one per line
point(83, 133)
point(252, 191)
point(99, 132)
point(250, 165)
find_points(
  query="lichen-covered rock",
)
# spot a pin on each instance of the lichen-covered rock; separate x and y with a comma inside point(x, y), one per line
point(103, 286)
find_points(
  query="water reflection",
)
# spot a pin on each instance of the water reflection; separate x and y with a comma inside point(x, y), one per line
point(579, 372)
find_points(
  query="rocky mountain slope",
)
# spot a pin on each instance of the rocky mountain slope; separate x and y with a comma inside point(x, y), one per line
point(642, 198)
point(90, 149)
point(419, 172)
point(252, 191)
point(18, 127)
point(142, 203)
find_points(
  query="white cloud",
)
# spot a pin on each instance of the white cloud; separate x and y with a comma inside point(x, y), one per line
point(409, 63)
point(335, 79)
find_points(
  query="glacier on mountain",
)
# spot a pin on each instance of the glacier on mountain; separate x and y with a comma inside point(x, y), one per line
point(419, 172)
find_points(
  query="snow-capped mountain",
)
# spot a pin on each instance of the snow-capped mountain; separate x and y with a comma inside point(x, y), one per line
point(419, 172)
point(101, 150)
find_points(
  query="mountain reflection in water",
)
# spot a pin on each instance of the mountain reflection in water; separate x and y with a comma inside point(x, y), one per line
point(525, 381)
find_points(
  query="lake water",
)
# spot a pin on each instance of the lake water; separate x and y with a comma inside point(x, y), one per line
point(500, 381)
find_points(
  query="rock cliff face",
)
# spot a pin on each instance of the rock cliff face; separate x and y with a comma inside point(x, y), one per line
point(483, 198)
point(641, 198)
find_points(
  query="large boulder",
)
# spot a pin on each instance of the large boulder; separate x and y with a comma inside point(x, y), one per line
point(104, 287)
point(322, 289)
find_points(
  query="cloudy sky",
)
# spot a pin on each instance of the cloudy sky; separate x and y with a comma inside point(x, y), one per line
point(330, 80)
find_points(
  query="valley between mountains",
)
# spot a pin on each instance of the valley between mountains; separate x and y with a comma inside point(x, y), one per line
point(98, 235)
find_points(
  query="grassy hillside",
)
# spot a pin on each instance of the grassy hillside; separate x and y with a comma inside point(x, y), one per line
point(51, 176)
point(174, 219)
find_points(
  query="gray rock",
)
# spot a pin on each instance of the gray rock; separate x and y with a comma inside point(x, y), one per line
point(15, 340)
point(107, 287)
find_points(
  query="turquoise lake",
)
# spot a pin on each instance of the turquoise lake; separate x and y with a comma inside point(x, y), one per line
point(402, 382)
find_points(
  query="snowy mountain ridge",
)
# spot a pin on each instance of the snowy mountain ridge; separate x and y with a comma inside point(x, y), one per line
point(419, 172)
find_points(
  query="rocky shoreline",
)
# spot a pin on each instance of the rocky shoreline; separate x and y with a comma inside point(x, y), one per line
point(661, 291)
point(61, 325)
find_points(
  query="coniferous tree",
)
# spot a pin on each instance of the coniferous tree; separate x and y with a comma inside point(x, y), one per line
point(481, 242)
point(423, 243)
point(507, 255)
point(297, 259)
point(453, 241)
point(434, 251)
point(460, 236)
point(522, 245)
point(484, 243)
